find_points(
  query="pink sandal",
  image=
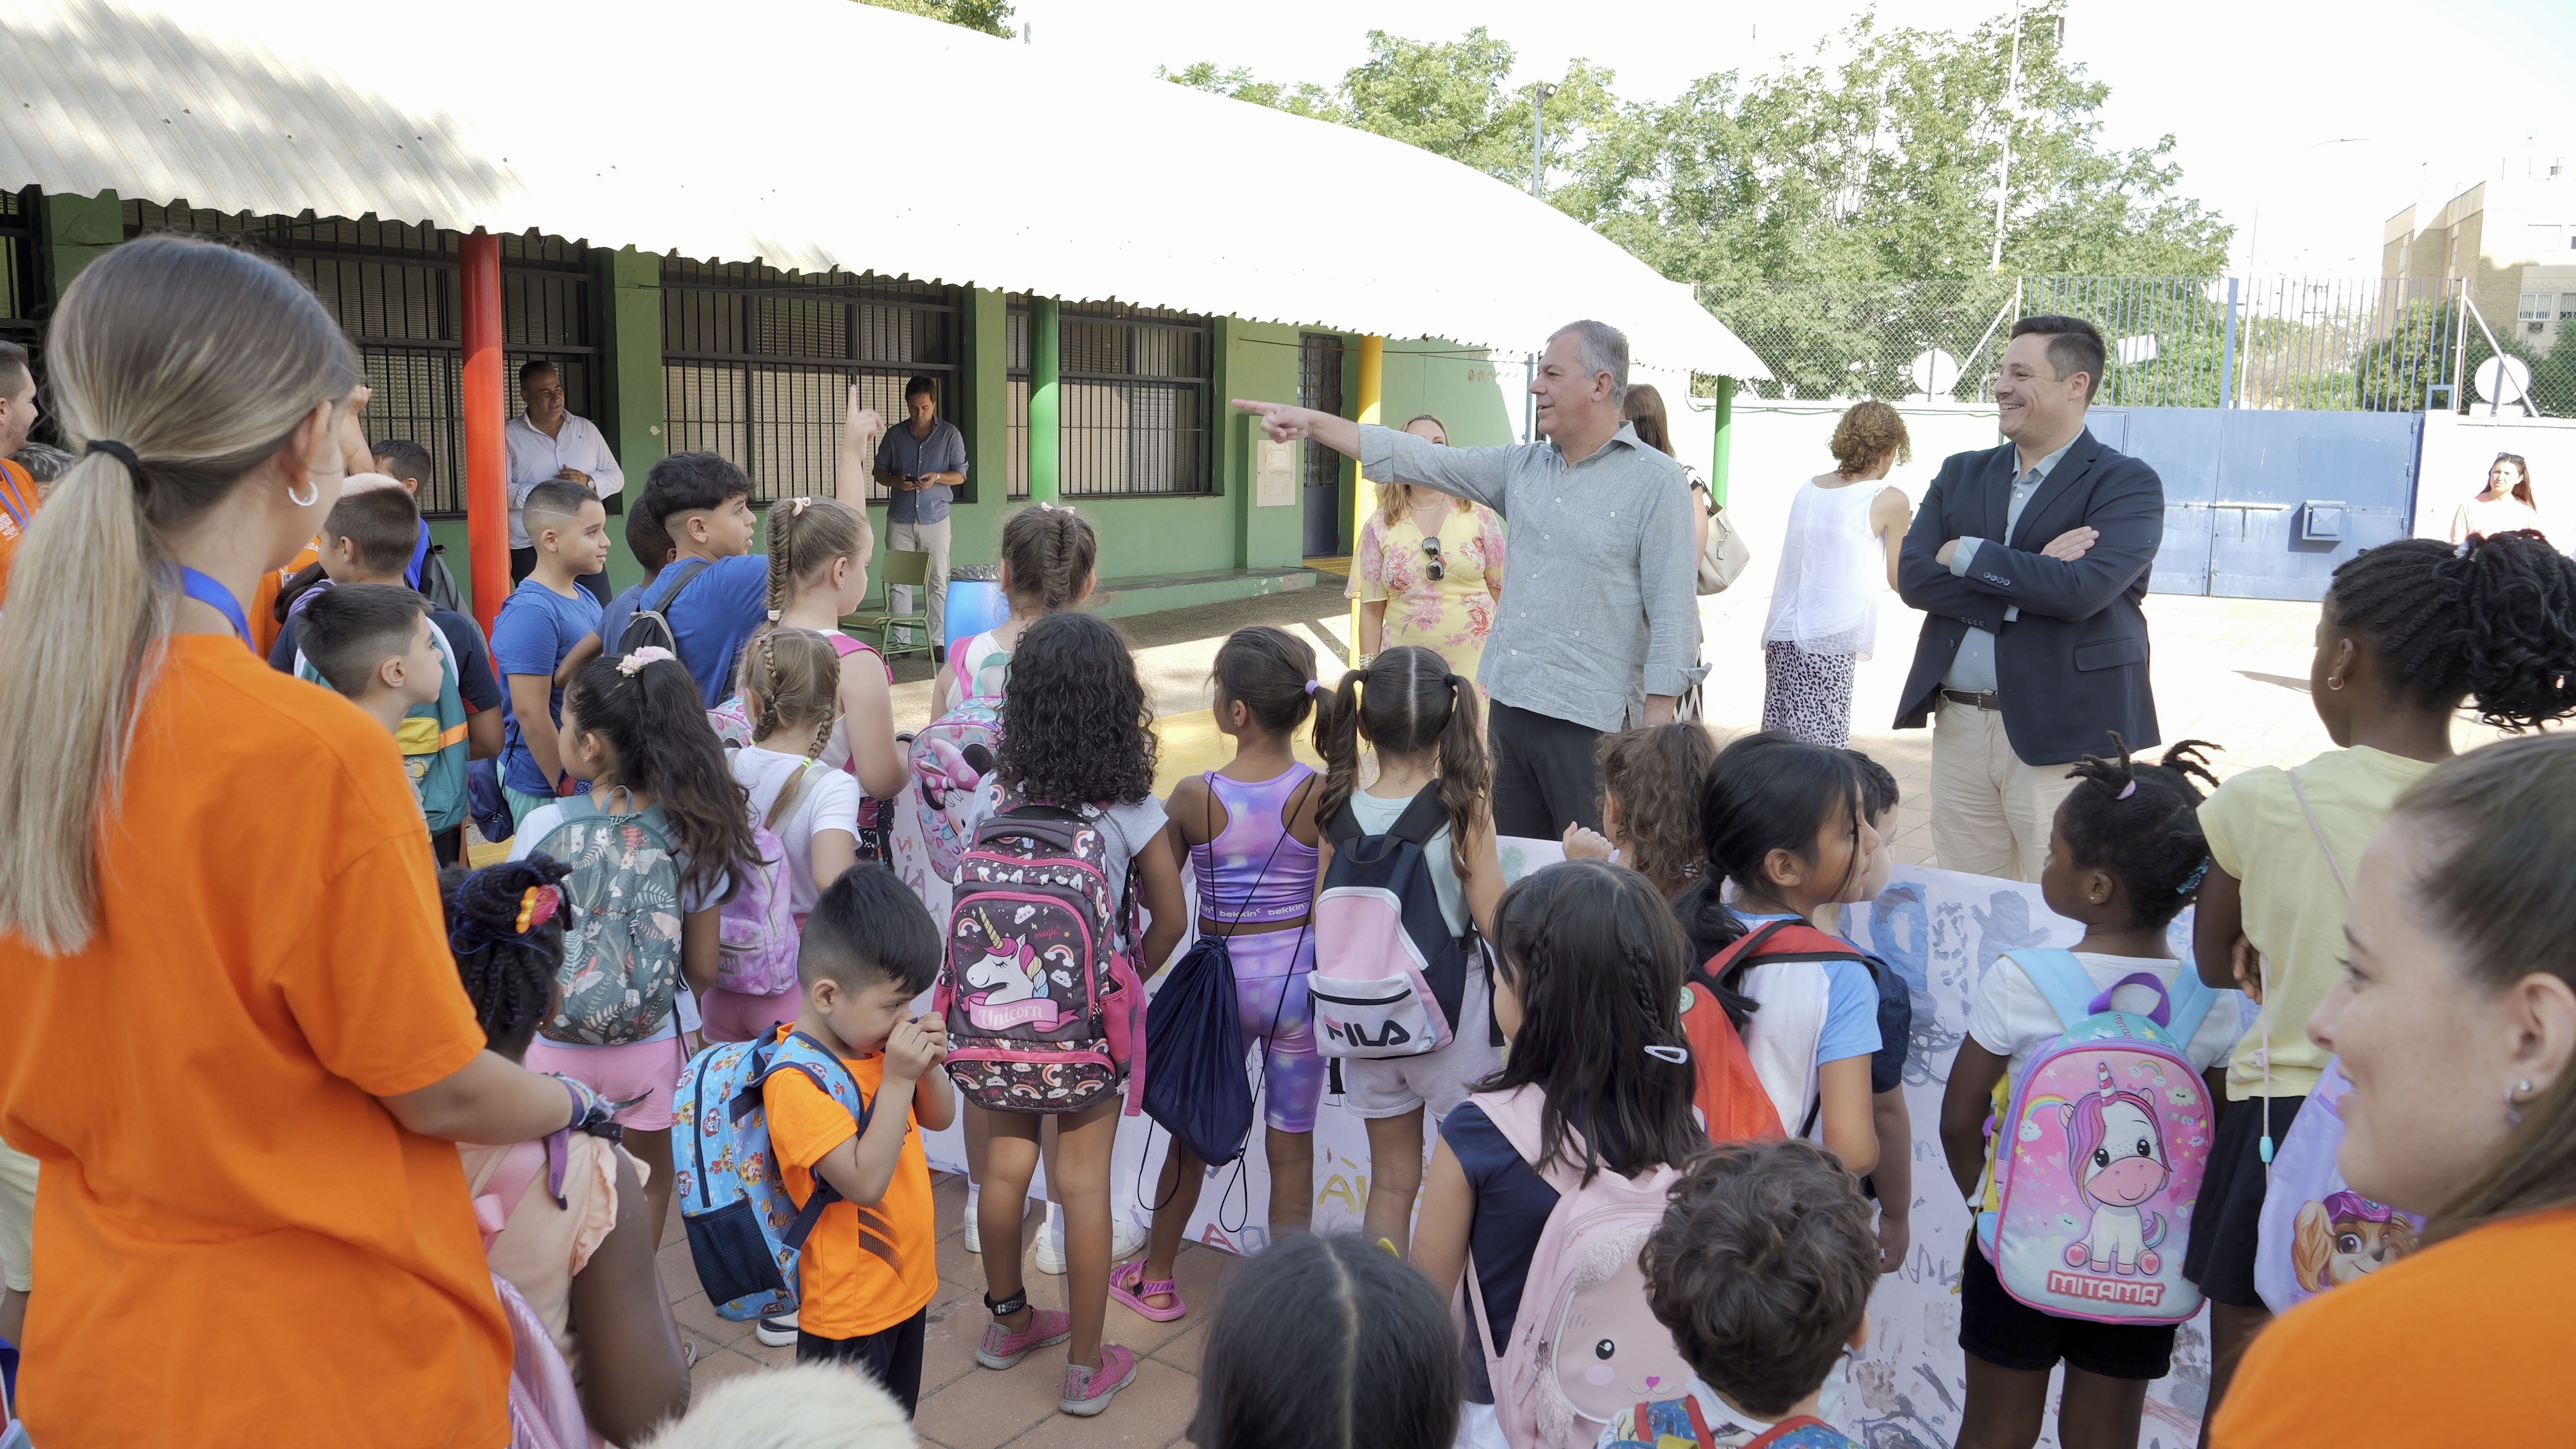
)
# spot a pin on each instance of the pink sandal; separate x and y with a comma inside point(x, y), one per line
point(1134, 1297)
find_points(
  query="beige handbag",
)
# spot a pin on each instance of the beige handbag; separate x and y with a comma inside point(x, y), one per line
point(1723, 561)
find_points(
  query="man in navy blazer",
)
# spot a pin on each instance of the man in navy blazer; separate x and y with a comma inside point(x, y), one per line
point(2028, 562)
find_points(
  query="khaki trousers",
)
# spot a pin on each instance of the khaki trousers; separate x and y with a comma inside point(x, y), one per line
point(932, 539)
point(1991, 813)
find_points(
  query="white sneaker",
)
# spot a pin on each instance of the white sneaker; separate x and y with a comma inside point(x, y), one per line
point(974, 1234)
point(778, 1332)
point(1126, 1240)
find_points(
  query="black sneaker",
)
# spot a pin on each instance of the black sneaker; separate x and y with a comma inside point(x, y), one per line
point(938, 653)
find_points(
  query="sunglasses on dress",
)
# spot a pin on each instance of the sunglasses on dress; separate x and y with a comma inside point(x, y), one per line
point(1431, 549)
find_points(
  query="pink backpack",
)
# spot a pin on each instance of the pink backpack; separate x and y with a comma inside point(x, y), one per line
point(545, 1406)
point(1585, 1345)
point(756, 930)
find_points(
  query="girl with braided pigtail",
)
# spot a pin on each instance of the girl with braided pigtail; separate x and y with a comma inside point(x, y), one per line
point(575, 1238)
point(818, 571)
point(2410, 635)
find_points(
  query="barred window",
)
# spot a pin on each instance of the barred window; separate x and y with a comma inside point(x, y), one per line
point(757, 364)
point(393, 287)
point(1134, 406)
point(18, 271)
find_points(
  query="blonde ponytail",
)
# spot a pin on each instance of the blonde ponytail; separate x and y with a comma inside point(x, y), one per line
point(202, 360)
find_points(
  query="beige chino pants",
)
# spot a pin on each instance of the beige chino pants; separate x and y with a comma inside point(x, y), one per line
point(1991, 813)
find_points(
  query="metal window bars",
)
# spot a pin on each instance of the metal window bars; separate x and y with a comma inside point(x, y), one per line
point(1135, 416)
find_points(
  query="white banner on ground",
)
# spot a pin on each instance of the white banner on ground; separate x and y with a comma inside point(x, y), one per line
point(1941, 931)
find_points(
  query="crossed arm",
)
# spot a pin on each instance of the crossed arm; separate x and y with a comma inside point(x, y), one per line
point(2075, 576)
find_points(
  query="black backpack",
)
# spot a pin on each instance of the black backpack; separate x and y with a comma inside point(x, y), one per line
point(651, 626)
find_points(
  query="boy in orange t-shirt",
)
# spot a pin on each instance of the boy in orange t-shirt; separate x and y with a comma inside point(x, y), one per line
point(870, 1267)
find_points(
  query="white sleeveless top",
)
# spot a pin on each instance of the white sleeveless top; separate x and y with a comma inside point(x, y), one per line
point(1832, 569)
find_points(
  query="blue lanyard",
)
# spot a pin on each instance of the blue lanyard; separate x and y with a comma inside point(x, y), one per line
point(14, 501)
point(205, 589)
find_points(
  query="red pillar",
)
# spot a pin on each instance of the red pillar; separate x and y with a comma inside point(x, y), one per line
point(487, 465)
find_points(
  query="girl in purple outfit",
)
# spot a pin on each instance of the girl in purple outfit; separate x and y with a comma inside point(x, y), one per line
point(1249, 832)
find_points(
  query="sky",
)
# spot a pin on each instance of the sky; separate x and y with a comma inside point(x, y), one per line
point(2305, 122)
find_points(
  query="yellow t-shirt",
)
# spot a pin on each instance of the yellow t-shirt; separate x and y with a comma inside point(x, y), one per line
point(2294, 907)
point(866, 1267)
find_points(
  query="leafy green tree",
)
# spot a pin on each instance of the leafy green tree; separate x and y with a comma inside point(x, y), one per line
point(993, 17)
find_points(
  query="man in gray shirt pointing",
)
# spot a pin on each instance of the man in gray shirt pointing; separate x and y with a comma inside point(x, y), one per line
point(1599, 619)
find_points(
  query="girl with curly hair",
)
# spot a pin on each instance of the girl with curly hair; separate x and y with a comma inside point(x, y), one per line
point(1650, 779)
point(1076, 734)
point(2408, 634)
point(1824, 605)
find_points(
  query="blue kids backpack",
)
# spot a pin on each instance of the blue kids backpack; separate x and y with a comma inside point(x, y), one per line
point(1388, 975)
point(745, 1233)
point(2097, 1160)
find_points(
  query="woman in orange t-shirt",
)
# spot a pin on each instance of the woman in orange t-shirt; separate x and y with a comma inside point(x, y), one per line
point(2456, 1022)
point(231, 1035)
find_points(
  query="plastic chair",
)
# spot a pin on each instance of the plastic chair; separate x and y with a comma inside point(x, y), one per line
point(898, 569)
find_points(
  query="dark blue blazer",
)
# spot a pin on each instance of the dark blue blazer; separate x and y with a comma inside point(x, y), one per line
point(2073, 667)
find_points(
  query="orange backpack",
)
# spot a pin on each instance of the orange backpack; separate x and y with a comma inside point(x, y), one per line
point(1728, 1096)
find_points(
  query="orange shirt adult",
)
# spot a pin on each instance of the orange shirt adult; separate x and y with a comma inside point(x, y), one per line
point(2464, 1342)
point(18, 505)
point(241, 1245)
point(864, 1269)
point(264, 624)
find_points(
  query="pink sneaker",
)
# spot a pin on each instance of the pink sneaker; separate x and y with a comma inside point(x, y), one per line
point(1003, 1349)
point(1087, 1391)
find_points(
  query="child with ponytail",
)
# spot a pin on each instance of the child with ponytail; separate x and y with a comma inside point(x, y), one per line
point(565, 1215)
point(818, 571)
point(1249, 831)
point(2409, 633)
point(1421, 719)
point(656, 846)
point(1048, 558)
point(2125, 855)
point(1587, 987)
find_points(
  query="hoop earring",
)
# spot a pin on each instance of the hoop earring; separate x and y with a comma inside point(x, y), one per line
point(2334, 681)
point(312, 494)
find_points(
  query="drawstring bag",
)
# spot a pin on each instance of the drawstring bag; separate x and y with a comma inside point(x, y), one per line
point(1194, 1038)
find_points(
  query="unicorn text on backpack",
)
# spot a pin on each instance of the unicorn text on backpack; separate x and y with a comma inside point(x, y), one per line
point(2098, 1158)
point(746, 1234)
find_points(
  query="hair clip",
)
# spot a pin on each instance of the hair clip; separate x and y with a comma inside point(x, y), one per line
point(1312, 685)
point(773, 616)
point(2461, 549)
point(2127, 790)
point(536, 907)
point(649, 654)
point(796, 509)
point(2192, 882)
point(1678, 1056)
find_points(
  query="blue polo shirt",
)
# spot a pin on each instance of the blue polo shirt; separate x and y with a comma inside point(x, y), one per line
point(944, 451)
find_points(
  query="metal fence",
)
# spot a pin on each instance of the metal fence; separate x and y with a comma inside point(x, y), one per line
point(2373, 345)
point(757, 364)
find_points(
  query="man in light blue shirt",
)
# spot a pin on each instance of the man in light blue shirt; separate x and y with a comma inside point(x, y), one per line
point(923, 461)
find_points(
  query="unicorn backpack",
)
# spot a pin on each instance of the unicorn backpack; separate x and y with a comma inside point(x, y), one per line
point(950, 758)
point(1585, 1345)
point(2097, 1160)
point(2316, 1231)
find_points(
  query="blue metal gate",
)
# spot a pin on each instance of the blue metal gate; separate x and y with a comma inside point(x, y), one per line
point(2263, 503)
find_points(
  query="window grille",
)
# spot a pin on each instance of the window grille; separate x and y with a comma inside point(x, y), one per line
point(1134, 411)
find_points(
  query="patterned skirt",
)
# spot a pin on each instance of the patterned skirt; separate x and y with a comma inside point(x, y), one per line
point(1807, 695)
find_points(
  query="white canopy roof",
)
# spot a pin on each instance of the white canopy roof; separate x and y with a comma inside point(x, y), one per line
point(810, 134)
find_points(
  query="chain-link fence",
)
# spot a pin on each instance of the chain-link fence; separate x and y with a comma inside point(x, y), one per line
point(2388, 345)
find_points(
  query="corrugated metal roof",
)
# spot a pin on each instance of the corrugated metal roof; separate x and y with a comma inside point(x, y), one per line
point(810, 134)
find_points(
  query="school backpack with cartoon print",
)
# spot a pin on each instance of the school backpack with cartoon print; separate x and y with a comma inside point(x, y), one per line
point(1678, 1423)
point(757, 935)
point(2097, 1159)
point(746, 1234)
point(950, 759)
point(1388, 975)
point(1585, 1345)
point(621, 966)
point(1044, 1012)
point(431, 737)
point(2316, 1232)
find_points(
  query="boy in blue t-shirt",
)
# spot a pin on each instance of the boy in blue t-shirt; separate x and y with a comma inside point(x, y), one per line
point(1762, 1270)
point(548, 629)
point(716, 590)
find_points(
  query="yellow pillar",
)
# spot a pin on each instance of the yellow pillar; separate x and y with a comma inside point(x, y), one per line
point(1363, 492)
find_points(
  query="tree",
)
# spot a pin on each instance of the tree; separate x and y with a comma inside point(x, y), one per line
point(992, 17)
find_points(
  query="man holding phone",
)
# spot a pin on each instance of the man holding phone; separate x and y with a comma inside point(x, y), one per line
point(923, 462)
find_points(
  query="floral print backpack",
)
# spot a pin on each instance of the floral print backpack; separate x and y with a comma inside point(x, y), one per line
point(621, 966)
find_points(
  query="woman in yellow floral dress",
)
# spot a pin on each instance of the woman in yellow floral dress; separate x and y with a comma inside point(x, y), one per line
point(1428, 569)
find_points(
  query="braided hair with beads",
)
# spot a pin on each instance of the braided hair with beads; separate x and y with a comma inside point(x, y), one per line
point(2491, 622)
point(508, 942)
point(1595, 959)
point(2142, 824)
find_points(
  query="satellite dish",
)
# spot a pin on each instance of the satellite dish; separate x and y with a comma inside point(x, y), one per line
point(2502, 379)
point(1935, 372)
